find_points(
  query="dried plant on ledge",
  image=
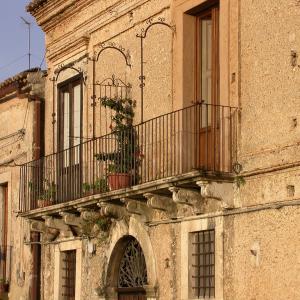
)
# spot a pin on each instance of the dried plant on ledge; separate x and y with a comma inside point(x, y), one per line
point(96, 227)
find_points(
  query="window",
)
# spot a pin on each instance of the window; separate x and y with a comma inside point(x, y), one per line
point(207, 55)
point(205, 28)
point(202, 264)
point(67, 270)
point(207, 61)
point(68, 137)
point(68, 275)
point(69, 111)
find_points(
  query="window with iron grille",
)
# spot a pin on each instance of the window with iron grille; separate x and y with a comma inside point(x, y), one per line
point(202, 264)
point(68, 275)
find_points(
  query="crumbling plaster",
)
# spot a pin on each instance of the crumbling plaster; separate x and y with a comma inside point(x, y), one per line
point(17, 149)
point(261, 260)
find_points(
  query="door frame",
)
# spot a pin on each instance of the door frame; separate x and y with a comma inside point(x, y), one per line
point(208, 132)
point(69, 82)
point(137, 291)
point(63, 171)
point(137, 230)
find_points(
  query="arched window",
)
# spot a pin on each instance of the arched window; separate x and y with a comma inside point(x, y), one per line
point(133, 269)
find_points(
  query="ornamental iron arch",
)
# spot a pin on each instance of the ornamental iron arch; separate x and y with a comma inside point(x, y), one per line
point(127, 231)
point(113, 46)
point(111, 87)
point(104, 47)
point(133, 269)
point(61, 68)
point(144, 31)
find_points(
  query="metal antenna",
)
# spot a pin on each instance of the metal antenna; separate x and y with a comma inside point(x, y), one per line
point(29, 41)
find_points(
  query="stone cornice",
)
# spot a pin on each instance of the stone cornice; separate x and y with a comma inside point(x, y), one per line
point(52, 12)
point(88, 26)
point(77, 46)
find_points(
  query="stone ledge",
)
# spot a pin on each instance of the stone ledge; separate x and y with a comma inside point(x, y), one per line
point(137, 191)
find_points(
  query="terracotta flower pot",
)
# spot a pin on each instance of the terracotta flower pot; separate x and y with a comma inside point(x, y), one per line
point(6, 287)
point(119, 181)
point(2, 288)
point(43, 203)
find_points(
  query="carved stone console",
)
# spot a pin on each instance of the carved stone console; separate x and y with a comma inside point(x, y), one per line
point(162, 203)
point(49, 234)
point(137, 208)
point(223, 192)
point(187, 197)
point(60, 225)
point(112, 210)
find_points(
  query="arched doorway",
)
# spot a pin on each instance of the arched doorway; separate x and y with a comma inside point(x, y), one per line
point(132, 275)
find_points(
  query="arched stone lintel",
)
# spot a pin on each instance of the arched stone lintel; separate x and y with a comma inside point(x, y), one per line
point(137, 230)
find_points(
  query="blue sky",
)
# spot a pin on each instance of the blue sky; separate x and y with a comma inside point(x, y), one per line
point(14, 39)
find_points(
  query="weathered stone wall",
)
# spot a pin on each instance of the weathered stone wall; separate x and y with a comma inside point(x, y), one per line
point(260, 247)
point(261, 260)
point(117, 23)
point(256, 38)
point(16, 114)
point(269, 129)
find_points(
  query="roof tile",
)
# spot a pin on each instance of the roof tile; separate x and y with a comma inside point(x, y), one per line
point(35, 4)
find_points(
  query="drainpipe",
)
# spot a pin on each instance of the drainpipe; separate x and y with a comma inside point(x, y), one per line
point(38, 151)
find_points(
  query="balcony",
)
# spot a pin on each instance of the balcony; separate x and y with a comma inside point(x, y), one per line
point(199, 140)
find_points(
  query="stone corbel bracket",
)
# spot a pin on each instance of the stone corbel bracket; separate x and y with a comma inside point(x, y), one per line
point(58, 224)
point(86, 214)
point(112, 210)
point(49, 234)
point(221, 191)
point(162, 203)
point(190, 197)
point(73, 220)
point(137, 208)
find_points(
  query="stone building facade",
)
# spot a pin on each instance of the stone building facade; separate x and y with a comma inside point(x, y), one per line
point(21, 104)
point(197, 196)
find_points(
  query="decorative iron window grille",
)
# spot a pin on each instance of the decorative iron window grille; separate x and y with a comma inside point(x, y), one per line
point(203, 264)
point(133, 270)
point(68, 274)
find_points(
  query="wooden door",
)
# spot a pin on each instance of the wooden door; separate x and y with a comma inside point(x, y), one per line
point(207, 87)
point(4, 227)
point(69, 140)
point(132, 294)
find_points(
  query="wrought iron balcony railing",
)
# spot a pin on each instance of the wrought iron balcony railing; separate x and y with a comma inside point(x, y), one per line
point(199, 137)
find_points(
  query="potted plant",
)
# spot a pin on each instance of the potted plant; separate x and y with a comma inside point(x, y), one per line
point(2, 289)
point(47, 196)
point(97, 226)
point(121, 161)
point(4, 286)
point(100, 186)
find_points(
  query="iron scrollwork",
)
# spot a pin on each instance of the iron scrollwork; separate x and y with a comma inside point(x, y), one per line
point(103, 47)
point(112, 45)
point(160, 21)
point(62, 67)
point(152, 22)
point(133, 270)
